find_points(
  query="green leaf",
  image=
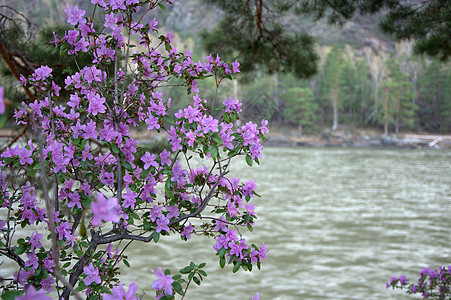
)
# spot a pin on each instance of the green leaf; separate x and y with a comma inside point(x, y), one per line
point(126, 263)
point(214, 152)
point(81, 286)
point(169, 119)
point(134, 215)
point(236, 267)
point(168, 188)
point(115, 148)
point(186, 270)
point(128, 166)
point(234, 152)
point(66, 264)
point(202, 265)
point(11, 295)
point(249, 160)
point(177, 277)
point(202, 272)
point(222, 252)
point(156, 236)
point(178, 288)
point(222, 262)
point(196, 280)
point(162, 6)
point(22, 248)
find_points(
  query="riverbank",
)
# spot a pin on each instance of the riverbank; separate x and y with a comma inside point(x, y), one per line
point(285, 137)
point(359, 139)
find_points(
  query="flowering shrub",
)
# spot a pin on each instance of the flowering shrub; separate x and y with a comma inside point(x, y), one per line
point(80, 179)
point(434, 284)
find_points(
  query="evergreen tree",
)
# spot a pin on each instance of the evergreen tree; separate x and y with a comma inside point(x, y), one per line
point(331, 83)
point(363, 91)
point(254, 31)
point(300, 108)
point(398, 109)
point(434, 98)
point(348, 104)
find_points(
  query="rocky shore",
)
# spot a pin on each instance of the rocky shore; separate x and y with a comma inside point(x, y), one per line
point(285, 137)
point(359, 139)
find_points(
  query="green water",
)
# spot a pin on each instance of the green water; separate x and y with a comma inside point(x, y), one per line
point(338, 224)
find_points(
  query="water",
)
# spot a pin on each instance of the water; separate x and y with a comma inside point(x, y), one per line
point(338, 224)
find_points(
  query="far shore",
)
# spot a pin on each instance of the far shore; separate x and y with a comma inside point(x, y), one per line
point(285, 137)
point(359, 138)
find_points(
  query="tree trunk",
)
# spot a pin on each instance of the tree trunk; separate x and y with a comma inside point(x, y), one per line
point(398, 108)
point(386, 112)
point(335, 109)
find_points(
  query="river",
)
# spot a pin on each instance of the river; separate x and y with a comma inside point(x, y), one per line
point(338, 223)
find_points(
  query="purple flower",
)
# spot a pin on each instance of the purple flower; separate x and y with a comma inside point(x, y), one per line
point(249, 187)
point(164, 157)
point(75, 15)
point(64, 230)
point(187, 231)
point(104, 210)
point(237, 249)
point(32, 294)
point(236, 66)
point(152, 122)
point(86, 154)
point(93, 275)
point(164, 282)
point(130, 199)
point(155, 212)
point(256, 297)
point(178, 174)
point(221, 225)
point(96, 104)
point(162, 224)
point(209, 124)
point(153, 24)
point(262, 252)
point(149, 160)
point(232, 105)
point(120, 294)
point(42, 72)
point(2, 100)
point(35, 240)
point(47, 284)
point(32, 261)
point(110, 21)
point(24, 156)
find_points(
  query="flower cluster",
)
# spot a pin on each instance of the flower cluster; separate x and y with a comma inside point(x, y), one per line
point(434, 284)
point(90, 182)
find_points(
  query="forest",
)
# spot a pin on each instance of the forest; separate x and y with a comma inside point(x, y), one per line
point(363, 79)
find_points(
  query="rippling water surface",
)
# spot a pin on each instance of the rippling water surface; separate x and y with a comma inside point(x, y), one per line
point(337, 222)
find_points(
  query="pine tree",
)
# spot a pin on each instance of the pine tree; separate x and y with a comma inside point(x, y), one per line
point(300, 108)
point(434, 98)
point(398, 109)
point(363, 91)
point(330, 85)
